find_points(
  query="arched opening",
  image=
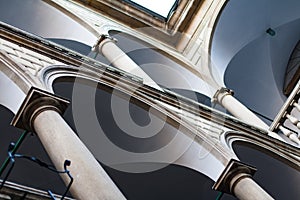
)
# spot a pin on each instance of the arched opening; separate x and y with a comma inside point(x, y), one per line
point(166, 181)
point(253, 61)
point(276, 177)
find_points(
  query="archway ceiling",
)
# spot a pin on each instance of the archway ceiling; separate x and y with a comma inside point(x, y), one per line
point(33, 17)
point(252, 62)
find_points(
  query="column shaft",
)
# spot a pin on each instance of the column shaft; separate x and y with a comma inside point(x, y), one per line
point(61, 143)
point(245, 188)
point(238, 110)
point(122, 61)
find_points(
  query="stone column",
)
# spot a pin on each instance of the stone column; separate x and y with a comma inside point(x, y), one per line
point(236, 179)
point(244, 187)
point(225, 98)
point(41, 113)
point(106, 45)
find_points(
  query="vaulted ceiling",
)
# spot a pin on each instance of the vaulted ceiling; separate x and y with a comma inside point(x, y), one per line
point(252, 61)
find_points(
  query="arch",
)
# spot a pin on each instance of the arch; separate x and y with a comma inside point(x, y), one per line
point(279, 150)
point(15, 81)
point(211, 149)
point(277, 177)
point(240, 41)
point(237, 27)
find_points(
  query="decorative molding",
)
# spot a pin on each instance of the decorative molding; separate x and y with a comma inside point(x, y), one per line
point(233, 169)
point(219, 95)
point(34, 103)
point(279, 150)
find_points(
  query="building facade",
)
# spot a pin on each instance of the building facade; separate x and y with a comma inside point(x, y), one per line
point(112, 100)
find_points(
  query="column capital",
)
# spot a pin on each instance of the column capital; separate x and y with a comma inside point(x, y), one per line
point(234, 171)
point(103, 37)
point(35, 102)
point(220, 93)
